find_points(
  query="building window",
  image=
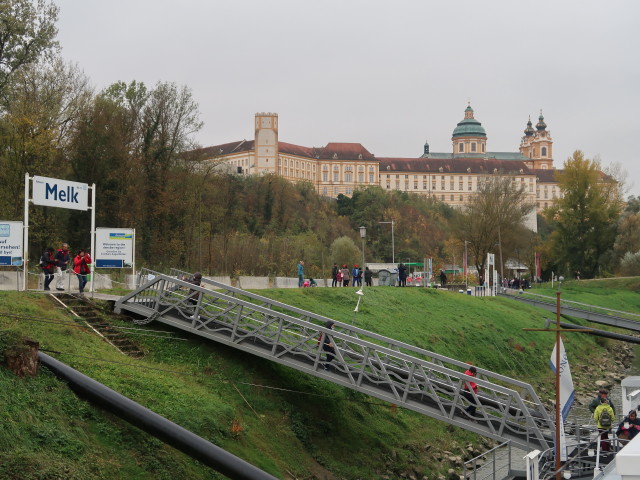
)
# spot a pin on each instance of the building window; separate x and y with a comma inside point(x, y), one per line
point(415, 185)
point(424, 185)
point(348, 177)
point(349, 191)
point(461, 198)
point(361, 177)
point(325, 176)
point(473, 146)
point(461, 147)
point(451, 184)
point(371, 178)
point(442, 197)
point(543, 151)
point(388, 185)
point(483, 148)
point(336, 177)
point(441, 184)
point(452, 198)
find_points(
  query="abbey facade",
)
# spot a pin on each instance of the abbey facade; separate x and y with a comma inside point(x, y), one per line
point(452, 177)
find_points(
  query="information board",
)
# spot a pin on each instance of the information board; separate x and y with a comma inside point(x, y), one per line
point(114, 247)
point(11, 243)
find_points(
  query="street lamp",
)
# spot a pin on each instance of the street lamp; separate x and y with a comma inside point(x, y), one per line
point(363, 235)
point(393, 243)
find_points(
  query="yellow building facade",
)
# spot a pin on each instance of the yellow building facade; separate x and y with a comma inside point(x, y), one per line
point(451, 177)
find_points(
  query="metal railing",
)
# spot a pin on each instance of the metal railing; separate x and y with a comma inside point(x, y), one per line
point(379, 366)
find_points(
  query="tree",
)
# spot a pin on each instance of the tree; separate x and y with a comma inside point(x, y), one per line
point(27, 32)
point(498, 208)
point(344, 251)
point(585, 217)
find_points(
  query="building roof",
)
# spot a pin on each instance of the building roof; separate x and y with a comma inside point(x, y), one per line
point(545, 176)
point(457, 165)
point(345, 151)
point(224, 149)
point(497, 155)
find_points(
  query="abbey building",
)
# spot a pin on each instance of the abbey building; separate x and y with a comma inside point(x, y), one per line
point(452, 177)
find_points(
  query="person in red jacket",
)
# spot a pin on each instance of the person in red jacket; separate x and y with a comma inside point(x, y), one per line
point(81, 268)
point(468, 386)
point(48, 265)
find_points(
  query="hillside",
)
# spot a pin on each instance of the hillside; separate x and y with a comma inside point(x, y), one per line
point(287, 423)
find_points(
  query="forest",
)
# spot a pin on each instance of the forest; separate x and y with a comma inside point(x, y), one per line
point(134, 142)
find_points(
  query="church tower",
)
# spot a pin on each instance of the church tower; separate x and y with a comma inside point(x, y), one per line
point(266, 143)
point(537, 145)
point(469, 137)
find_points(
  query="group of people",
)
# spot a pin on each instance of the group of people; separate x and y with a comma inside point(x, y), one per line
point(342, 276)
point(56, 264)
point(604, 414)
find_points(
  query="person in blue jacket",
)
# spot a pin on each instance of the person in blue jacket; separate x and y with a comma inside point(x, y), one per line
point(300, 274)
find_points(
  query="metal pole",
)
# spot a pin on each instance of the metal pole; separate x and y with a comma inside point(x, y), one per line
point(393, 245)
point(92, 269)
point(362, 267)
point(25, 234)
point(558, 424)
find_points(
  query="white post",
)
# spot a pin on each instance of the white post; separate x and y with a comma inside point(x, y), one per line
point(393, 245)
point(532, 465)
point(93, 236)
point(25, 236)
point(133, 254)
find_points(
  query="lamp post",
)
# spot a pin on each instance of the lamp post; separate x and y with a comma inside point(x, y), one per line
point(393, 243)
point(363, 235)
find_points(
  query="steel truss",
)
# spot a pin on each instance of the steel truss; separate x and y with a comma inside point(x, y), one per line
point(393, 371)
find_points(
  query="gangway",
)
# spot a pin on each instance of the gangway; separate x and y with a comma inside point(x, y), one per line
point(592, 313)
point(392, 371)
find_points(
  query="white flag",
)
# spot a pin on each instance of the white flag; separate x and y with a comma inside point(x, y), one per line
point(567, 393)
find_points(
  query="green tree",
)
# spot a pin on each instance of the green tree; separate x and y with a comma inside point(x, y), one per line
point(27, 32)
point(585, 217)
point(344, 251)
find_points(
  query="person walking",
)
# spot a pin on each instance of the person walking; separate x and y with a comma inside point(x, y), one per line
point(402, 275)
point(470, 387)
point(443, 278)
point(62, 261)
point(48, 264)
point(368, 275)
point(300, 273)
point(355, 274)
point(603, 393)
point(81, 268)
point(604, 417)
point(329, 347)
point(334, 275)
point(345, 275)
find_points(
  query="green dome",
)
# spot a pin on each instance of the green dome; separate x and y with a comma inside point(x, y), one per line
point(469, 127)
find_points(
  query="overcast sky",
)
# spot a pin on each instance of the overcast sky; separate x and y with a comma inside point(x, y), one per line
point(386, 74)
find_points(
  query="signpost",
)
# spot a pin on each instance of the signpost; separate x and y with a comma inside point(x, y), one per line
point(54, 192)
point(115, 248)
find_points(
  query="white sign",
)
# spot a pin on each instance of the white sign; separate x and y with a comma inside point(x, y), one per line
point(53, 192)
point(11, 243)
point(114, 247)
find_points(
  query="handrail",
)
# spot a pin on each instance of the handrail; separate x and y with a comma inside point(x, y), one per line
point(394, 371)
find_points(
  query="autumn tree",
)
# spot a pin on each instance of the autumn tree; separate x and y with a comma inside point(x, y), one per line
point(585, 217)
point(27, 33)
point(491, 218)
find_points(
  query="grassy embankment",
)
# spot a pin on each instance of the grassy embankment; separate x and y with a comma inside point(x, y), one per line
point(291, 424)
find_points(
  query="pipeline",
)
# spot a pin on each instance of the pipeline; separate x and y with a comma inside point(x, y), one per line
point(154, 424)
point(601, 333)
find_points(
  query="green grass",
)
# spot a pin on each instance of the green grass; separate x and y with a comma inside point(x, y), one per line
point(274, 417)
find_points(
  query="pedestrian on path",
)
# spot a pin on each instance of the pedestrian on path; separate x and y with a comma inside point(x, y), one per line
point(604, 417)
point(81, 268)
point(62, 262)
point(48, 265)
point(470, 387)
point(300, 273)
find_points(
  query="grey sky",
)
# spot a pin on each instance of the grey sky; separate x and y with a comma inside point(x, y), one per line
point(387, 74)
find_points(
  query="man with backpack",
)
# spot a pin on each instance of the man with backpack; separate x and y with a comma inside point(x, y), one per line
point(48, 265)
point(604, 417)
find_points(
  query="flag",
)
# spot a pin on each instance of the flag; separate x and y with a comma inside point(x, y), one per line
point(567, 393)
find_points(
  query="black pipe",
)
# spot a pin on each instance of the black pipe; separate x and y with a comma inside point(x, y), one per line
point(154, 424)
point(601, 333)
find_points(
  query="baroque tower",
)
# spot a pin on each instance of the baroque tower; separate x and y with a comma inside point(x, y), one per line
point(537, 145)
point(266, 143)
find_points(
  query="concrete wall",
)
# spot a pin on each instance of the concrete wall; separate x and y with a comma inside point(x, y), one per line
point(286, 282)
point(10, 280)
point(250, 283)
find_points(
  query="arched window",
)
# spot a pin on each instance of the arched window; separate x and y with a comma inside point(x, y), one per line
point(461, 147)
point(543, 151)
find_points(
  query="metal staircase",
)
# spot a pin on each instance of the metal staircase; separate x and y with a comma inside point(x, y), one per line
point(384, 368)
